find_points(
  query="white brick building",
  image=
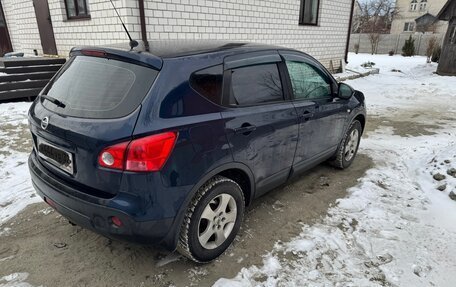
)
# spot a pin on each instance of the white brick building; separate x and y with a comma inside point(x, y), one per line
point(318, 27)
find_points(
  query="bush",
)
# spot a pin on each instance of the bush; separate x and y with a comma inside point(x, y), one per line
point(356, 46)
point(368, 65)
point(432, 44)
point(391, 53)
point(436, 54)
point(408, 49)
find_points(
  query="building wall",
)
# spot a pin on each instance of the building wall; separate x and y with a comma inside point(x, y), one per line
point(102, 28)
point(406, 15)
point(265, 21)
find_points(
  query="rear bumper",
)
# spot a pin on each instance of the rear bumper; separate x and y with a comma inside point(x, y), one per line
point(96, 217)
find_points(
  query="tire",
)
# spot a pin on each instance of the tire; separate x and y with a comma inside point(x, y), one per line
point(202, 239)
point(348, 147)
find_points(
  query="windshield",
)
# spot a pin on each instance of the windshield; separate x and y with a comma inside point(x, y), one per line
point(92, 87)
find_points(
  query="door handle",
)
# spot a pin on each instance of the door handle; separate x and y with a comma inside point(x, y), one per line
point(307, 115)
point(245, 129)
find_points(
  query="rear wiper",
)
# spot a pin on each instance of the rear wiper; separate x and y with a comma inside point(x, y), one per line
point(54, 101)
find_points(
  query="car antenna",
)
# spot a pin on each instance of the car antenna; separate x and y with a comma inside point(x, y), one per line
point(133, 43)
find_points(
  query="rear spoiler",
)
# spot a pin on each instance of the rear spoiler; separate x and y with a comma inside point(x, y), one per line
point(135, 57)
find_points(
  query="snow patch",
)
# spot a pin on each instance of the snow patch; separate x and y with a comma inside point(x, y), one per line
point(15, 280)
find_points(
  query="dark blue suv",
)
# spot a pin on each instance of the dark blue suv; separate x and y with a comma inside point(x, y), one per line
point(169, 146)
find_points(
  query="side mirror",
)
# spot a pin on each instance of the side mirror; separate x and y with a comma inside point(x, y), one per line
point(345, 91)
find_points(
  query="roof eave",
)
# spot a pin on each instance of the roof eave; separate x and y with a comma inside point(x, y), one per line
point(440, 15)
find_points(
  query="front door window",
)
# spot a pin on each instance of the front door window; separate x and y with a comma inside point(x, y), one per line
point(307, 82)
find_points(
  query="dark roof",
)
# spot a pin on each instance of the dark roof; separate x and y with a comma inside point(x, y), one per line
point(428, 17)
point(178, 48)
point(444, 13)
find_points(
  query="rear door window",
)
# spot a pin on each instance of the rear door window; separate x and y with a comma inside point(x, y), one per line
point(92, 87)
point(258, 84)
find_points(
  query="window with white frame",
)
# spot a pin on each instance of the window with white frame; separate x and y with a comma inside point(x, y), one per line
point(409, 26)
point(423, 5)
point(413, 5)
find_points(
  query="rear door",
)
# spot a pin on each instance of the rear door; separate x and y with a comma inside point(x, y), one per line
point(321, 114)
point(261, 126)
point(99, 105)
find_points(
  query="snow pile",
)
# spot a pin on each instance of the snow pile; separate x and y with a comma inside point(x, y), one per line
point(440, 172)
point(389, 230)
point(15, 280)
point(15, 144)
point(412, 84)
point(385, 63)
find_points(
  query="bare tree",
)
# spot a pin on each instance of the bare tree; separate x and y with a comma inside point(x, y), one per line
point(375, 17)
point(431, 46)
point(374, 39)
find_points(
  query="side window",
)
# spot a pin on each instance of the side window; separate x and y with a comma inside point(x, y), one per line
point(208, 83)
point(255, 85)
point(307, 81)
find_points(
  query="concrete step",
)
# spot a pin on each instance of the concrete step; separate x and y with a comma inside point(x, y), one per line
point(23, 85)
point(29, 76)
point(17, 94)
point(30, 61)
point(30, 69)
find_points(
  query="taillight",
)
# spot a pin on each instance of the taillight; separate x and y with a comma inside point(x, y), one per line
point(144, 154)
point(113, 156)
point(150, 153)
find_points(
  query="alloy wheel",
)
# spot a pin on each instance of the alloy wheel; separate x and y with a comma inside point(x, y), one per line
point(217, 221)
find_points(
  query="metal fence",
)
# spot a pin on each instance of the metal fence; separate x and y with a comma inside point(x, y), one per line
point(392, 42)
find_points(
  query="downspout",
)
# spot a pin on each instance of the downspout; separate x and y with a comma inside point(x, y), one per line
point(142, 20)
point(350, 23)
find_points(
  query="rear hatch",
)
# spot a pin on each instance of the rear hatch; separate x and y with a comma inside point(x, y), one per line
point(93, 102)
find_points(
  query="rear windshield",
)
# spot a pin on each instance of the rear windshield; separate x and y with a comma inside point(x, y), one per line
point(92, 87)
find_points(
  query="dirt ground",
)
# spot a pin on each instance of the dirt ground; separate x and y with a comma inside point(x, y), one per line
point(54, 253)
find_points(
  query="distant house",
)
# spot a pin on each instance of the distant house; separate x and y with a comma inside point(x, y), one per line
point(319, 27)
point(425, 23)
point(447, 62)
point(416, 16)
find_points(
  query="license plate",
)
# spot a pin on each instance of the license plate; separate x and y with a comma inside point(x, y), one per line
point(56, 156)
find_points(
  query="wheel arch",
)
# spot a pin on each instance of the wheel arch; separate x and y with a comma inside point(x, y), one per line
point(362, 119)
point(235, 171)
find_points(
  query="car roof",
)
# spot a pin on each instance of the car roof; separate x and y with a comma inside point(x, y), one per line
point(182, 48)
point(159, 50)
